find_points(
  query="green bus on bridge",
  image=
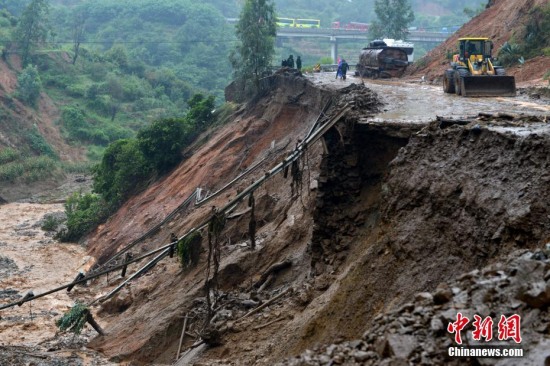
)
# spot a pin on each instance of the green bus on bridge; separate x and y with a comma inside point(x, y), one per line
point(297, 23)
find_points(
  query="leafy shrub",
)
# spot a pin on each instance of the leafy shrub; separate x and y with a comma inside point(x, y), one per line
point(30, 169)
point(118, 55)
point(11, 171)
point(50, 223)
point(162, 142)
point(188, 249)
point(134, 88)
point(509, 54)
point(75, 319)
point(121, 172)
point(103, 104)
point(39, 167)
point(8, 155)
point(29, 85)
point(74, 122)
point(200, 111)
point(39, 145)
point(84, 212)
point(76, 90)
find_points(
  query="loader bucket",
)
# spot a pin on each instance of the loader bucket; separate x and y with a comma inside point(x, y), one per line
point(488, 86)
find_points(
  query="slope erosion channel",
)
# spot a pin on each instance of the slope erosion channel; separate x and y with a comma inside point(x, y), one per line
point(379, 203)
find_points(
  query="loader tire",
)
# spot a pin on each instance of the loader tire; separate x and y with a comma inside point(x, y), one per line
point(500, 71)
point(448, 81)
point(458, 75)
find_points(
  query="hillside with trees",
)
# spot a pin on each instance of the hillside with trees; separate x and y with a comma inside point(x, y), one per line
point(78, 75)
point(81, 75)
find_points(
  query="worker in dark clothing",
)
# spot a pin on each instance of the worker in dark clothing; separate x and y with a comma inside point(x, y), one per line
point(298, 63)
point(344, 68)
point(290, 61)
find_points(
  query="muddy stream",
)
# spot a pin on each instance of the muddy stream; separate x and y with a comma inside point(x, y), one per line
point(31, 260)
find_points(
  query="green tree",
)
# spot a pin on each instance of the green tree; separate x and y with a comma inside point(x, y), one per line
point(200, 111)
point(394, 18)
point(122, 171)
point(29, 85)
point(84, 213)
point(33, 28)
point(77, 30)
point(256, 30)
point(162, 142)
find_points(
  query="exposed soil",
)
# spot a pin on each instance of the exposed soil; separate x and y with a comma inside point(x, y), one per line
point(386, 210)
point(18, 119)
point(498, 22)
point(389, 204)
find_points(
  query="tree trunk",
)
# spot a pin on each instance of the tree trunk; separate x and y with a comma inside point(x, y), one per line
point(90, 319)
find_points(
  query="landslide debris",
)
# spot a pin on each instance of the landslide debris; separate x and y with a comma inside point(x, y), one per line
point(416, 333)
point(382, 212)
point(386, 210)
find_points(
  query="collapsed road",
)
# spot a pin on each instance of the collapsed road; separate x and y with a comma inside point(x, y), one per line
point(390, 204)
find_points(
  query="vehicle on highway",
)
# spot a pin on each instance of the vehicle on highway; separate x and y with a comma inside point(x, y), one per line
point(364, 27)
point(378, 60)
point(473, 72)
point(297, 23)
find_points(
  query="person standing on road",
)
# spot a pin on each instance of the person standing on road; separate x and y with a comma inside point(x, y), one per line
point(290, 61)
point(299, 63)
point(344, 67)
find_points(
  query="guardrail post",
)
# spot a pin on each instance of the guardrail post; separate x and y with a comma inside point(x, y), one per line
point(127, 258)
point(78, 277)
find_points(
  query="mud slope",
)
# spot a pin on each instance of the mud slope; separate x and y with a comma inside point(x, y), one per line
point(498, 22)
point(452, 200)
point(147, 327)
point(374, 214)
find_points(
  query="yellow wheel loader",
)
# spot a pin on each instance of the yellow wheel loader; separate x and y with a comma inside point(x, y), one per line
point(473, 73)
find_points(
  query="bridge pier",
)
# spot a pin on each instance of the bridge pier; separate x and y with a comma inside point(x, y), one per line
point(334, 48)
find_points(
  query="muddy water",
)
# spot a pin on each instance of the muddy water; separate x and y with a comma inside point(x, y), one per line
point(32, 261)
point(420, 102)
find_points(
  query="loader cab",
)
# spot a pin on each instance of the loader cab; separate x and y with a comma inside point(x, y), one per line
point(477, 47)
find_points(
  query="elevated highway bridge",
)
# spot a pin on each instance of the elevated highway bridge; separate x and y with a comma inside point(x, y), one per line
point(336, 35)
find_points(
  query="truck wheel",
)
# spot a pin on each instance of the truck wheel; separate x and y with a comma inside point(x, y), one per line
point(448, 81)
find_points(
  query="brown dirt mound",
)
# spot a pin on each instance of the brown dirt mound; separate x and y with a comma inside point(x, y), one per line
point(498, 23)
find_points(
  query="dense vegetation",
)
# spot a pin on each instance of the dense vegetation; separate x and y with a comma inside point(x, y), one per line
point(529, 41)
point(128, 165)
point(111, 67)
point(393, 19)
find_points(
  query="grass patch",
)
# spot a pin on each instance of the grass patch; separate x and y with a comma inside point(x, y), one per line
point(29, 169)
point(8, 155)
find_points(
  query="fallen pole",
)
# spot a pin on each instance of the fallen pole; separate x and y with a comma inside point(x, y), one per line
point(265, 304)
point(143, 269)
point(182, 336)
